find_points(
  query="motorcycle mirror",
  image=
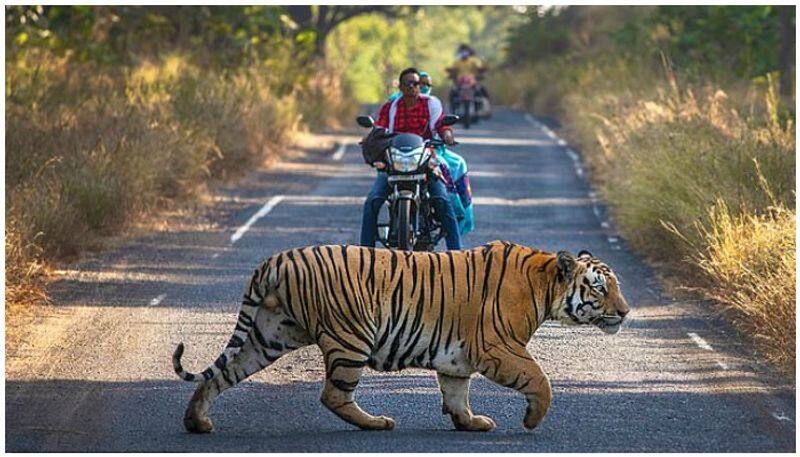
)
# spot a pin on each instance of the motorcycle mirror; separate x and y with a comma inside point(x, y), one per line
point(365, 121)
point(450, 119)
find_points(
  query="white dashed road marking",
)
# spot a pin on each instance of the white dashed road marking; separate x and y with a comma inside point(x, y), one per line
point(700, 341)
point(339, 152)
point(157, 300)
point(272, 203)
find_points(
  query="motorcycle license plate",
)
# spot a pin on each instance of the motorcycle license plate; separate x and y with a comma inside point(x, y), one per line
point(396, 178)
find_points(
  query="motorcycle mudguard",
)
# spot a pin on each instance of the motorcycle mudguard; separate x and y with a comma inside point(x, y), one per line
point(406, 195)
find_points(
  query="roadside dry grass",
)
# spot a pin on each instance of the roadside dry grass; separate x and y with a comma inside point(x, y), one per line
point(92, 150)
point(700, 179)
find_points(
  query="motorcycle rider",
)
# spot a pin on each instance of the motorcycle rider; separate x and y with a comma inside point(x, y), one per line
point(466, 64)
point(453, 169)
point(422, 115)
point(425, 85)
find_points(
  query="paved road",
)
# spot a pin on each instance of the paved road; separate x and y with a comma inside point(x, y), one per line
point(96, 376)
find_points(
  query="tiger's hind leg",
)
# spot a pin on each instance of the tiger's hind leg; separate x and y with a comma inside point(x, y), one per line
point(455, 402)
point(513, 367)
point(272, 337)
point(343, 369)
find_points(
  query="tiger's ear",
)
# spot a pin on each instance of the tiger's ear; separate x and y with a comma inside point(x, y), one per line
point(566, 265)
point(585, 253)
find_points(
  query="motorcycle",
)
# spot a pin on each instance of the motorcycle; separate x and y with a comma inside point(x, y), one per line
point(469, 100)
point(464, 100)
point(412, 225)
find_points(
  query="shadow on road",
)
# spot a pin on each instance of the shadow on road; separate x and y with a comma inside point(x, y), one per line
point(254, 417)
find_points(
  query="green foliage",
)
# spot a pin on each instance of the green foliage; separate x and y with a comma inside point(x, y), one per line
point(744, 39)
point(372, 49)
point(738, 41)
point(227, 36)
point(368, 47)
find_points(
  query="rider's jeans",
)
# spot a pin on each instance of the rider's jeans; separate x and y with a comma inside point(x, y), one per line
point(441, 203)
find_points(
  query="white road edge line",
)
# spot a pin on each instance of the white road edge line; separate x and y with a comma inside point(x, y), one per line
point(339, 152)
point(703, 344)
point(157, 300)
point(531, 120)
point(699, 341)
point(272, 203)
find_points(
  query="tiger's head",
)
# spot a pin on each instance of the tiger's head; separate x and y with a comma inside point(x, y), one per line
point(592, 293)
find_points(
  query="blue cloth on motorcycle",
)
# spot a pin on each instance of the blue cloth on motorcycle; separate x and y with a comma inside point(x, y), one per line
point(454, 172)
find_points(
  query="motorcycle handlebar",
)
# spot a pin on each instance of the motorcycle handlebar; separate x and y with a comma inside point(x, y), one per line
point(441, 143)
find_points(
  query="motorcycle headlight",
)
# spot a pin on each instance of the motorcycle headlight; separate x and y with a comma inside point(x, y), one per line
point(406, 161)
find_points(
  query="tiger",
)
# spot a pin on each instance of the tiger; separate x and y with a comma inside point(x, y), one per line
point(455, 312)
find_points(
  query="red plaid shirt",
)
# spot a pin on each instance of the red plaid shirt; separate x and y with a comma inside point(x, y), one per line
point(412, 120)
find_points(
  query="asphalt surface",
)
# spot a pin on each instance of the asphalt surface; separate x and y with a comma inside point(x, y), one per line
point(95, 375)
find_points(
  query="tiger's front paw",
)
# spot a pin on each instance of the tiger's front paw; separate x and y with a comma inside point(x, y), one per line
point(389, 423)
point(194, 424)
point(532, 418)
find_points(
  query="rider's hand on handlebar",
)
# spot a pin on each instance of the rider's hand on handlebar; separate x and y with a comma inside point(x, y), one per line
point(379, 165)
point(448, 137)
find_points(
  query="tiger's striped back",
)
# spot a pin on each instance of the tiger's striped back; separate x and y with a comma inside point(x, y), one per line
point(403, 309)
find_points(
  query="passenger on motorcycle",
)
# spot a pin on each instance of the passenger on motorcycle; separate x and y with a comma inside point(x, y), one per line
point(421, 115)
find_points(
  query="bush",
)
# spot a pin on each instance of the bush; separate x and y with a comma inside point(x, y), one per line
point(749, 265)
point(699, 178)
point(88, 150)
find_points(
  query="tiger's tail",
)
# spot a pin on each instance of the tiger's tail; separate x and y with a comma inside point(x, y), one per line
point(257, 295)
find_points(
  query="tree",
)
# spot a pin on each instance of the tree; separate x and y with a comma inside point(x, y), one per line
point(322, 19)
point(786, 60)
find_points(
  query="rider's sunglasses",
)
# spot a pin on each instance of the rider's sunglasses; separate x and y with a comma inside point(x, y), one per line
point(425, 85)
point(410, 83)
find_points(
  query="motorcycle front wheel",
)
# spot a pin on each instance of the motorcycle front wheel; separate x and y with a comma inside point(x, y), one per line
point(404, 227)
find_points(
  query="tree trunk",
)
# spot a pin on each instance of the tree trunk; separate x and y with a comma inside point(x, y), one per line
point(786, 57)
